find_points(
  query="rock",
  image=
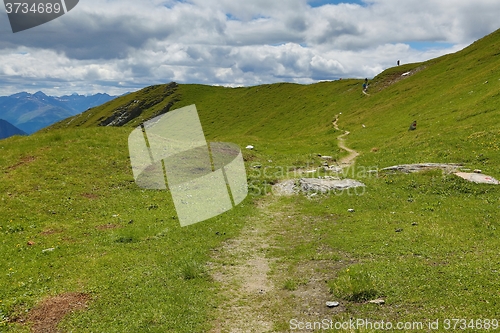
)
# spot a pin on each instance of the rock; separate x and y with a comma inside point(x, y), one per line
point(333, 168)
point(314, 185)
point(414, 224)
point(477, 178)
point(350, 210)
point(327, 157)
point(478, 171)
point(286, 188)
point(327, 185)
point(250, 147)
point(49, 250)
point(332, 304)
point(411, 168)
point(399, 230)
point(377, 301)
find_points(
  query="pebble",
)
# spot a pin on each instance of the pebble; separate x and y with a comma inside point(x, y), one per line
point(250, 147)
point(377, 301)
point(350, 210)
point(332, 304)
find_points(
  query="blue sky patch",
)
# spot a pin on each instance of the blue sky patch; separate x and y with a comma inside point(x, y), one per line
point(425, 46)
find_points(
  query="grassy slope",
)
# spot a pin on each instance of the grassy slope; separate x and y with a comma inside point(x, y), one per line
point(60, 186)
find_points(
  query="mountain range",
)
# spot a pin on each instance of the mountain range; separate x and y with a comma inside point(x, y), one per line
point(8, 130)
point(32, 112)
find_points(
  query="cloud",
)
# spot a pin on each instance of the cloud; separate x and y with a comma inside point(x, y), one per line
point(118, 46)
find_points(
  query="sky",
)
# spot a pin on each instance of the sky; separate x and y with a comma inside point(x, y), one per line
point(119, 46)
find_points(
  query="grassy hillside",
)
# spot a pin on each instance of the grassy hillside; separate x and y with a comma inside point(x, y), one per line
point(72, 219)
point(455, 100)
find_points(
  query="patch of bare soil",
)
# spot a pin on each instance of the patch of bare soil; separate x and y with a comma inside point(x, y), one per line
point(90, 196)
point(107, 226)
point(49, 232)
point(45, 317)
point(396, 77)
point(23, 161)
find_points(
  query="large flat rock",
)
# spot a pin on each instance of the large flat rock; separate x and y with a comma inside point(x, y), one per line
point(314, 185)
point(478, 178)
point(411, 168)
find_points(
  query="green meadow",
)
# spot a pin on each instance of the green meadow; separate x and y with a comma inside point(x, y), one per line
point(73, 220)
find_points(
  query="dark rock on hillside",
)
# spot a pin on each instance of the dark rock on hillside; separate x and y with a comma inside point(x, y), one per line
point(134, 109)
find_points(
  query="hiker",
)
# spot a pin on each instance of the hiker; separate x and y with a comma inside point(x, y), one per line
point(365, 85)
point(398, 62)
point(413, 126)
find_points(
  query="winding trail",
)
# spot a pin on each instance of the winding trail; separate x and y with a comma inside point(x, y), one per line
point(348, 160)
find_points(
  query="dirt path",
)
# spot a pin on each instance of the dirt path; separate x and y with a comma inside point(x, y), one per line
point(242, 268)
point(253, 278)
point(347, 161)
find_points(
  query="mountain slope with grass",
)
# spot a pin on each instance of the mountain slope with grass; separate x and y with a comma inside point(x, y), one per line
point(454, 96)
point(73, 222)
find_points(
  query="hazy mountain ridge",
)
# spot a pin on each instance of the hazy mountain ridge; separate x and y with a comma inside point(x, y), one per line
point(32, 112)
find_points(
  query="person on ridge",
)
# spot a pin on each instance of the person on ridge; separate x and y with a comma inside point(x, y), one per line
point(365, 85)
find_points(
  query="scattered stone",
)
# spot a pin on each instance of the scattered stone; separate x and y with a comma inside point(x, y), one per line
point(478, 171)
point(377, 301)
point(327, 157)
point(332, 304)
point(258, 166)
point(411, 168)
point(48, 250)
point(399, 230)
point(350, 210)
point(314, 185)
point(414, 224)
point(250, 147)
point(327, 185)
point(288, 187)
point(333, 168)
point(31, 243)
point(478, 178)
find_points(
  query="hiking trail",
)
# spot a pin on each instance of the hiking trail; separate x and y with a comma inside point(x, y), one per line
point(348, 160)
